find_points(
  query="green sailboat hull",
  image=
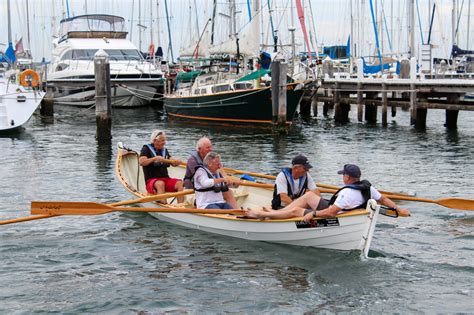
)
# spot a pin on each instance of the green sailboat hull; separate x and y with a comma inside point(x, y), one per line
point(246, 106)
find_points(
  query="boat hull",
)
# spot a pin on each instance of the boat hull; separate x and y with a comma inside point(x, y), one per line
point(134, 96)
point(251, 106)
point(348, 231)
point(17, 105)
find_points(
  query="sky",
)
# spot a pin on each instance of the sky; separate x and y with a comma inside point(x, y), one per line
point(329, 23)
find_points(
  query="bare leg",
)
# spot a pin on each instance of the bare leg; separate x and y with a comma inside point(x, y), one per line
point(230, 199)
point(308, 200)
point(179, 187)
point(276, 214)
point(160, 189)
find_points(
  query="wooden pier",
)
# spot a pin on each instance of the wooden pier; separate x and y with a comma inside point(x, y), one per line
point(416, 94)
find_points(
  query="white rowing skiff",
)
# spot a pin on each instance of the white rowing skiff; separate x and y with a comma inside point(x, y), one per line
point(352, 230)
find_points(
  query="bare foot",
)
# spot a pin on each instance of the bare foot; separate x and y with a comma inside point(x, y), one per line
point(252, 213)
point(265, 209)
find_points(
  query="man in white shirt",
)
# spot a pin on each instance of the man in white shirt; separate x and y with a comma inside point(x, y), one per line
point(209, 184)
point(292, 183)
point(353, 195)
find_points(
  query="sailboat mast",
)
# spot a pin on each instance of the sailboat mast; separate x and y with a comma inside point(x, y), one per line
point(157, 24)
point(352, 34)
point(468, 22)
point(232, 21)
point(453, 23)
point(9, 23)
point(213, 21)
point(411, 23)
point(139, 25)
point(131, 21)
point(170, 44)
point(151, 22)
point(28, 24)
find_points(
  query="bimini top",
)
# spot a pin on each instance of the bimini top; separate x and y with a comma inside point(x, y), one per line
point(92, 26)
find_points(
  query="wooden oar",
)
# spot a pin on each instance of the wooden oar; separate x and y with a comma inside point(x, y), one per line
point(23, 219)
point(272, 177)
point(153, 198)
point(119, 203)
point(93, 208)
point(453, 203)
point(270, 186)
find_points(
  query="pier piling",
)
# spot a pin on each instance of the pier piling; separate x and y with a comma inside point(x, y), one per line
point(103, 104)
point(47, 104)
point(384, 104)
point(452, 115)
point(279, 70)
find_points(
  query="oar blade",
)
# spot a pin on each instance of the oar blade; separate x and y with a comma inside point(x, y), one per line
point(69, 208)
point(456, 203)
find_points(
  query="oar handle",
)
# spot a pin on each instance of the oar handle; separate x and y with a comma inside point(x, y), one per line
point(24, 219)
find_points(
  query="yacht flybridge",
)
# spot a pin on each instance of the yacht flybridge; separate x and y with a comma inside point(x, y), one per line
point(135, 82)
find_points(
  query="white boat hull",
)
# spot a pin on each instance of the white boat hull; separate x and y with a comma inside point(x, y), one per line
point(134, 96)
point(352, 230)
point(17, 104)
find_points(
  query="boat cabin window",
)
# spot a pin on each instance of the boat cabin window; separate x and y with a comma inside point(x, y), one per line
point(114, 54)
point(221, 88)
point(203, 91)
point(196, 91)
point(243, 86)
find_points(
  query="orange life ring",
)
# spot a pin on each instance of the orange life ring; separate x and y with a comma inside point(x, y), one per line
point(33, 82)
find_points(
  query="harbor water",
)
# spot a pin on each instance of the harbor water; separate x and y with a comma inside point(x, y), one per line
point(123, 263)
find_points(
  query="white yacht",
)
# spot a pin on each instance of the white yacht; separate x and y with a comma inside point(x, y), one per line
point(137, 81)
point(20, 96)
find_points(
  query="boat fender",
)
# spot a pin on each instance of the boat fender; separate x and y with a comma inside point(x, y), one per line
point(29, 78)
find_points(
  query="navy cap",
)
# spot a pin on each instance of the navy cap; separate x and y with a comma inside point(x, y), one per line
point(301, 160)
point(352, 170)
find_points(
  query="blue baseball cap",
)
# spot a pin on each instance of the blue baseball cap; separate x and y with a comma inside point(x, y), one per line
point(300, 159)
point(352, 170)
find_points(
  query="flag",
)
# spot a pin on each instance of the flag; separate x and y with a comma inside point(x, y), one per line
point(19, 47)
point(10, 53)
point(299, 9)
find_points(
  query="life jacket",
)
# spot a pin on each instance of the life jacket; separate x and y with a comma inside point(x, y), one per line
point(164, 153)
point(363, 186)
point(293, 192)
point(221, 187)
point(189, 174)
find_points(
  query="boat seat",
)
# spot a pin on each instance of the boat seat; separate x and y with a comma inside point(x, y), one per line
point(241, 195)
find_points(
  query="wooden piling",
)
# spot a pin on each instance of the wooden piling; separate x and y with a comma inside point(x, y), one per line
point(47, 104)
point(314, 105)
point(384, 104)
point(279, 70)
point(413, 96)
point(338, 111)
point(103, 104)
point(371, 110)
point(452, 115)
point(360, 90)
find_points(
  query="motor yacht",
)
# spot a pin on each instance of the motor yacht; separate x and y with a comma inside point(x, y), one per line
point(135, 81)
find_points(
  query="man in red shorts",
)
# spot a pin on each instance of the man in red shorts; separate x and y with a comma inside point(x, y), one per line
point(156, 172)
